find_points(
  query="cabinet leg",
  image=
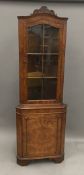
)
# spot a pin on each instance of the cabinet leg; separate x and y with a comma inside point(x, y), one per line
point(22, 162)
point(58, 160)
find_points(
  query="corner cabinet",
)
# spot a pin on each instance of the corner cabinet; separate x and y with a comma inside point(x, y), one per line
point(41, 115)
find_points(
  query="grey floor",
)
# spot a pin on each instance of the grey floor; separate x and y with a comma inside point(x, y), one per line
point(72, 165)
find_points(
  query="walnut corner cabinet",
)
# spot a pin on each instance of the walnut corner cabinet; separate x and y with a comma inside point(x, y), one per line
point(41, 115)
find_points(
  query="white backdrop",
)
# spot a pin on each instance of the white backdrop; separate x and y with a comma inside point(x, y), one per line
point(74, 62)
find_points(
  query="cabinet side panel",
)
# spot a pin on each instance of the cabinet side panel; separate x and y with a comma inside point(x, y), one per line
point(21, 36)
point(63, 133)
point(61, 63)
point(59, 122)
point(64, 30)
point(19, 135)
point(25, 136)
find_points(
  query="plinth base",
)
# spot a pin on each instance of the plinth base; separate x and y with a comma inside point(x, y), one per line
point(25, 161)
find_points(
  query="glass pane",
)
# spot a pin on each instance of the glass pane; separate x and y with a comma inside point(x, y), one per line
point(50, 63)
point(49, 88)
point(34, 88)
point(51, 36)
point(34, 66)
point(39, 89)
point(35, 38)
point(42, 62)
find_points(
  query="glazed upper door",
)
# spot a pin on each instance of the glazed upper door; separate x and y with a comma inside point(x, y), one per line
point(42, 62)
point(42, 52)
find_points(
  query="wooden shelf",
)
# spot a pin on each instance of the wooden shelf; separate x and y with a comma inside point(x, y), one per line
point(42, 77)
point(49, 37)
point(45, 45)
point(42, 53)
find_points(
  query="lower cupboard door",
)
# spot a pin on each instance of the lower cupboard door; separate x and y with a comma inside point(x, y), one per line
point(43, 135)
